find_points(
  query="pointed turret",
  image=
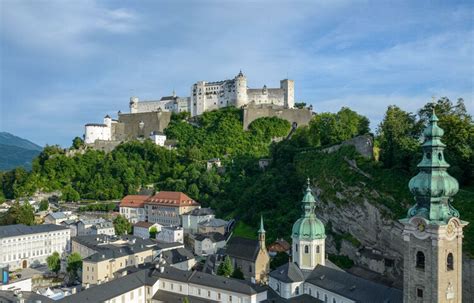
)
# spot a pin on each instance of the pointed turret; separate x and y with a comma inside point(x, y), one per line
point(261, 235)
point(433, 187)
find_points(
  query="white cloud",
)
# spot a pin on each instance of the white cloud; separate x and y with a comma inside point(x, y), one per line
point(60, 27)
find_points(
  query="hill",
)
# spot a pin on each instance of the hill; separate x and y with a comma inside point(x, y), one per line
point(16, 151)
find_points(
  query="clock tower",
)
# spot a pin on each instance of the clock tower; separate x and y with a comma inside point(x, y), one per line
point(433, 231)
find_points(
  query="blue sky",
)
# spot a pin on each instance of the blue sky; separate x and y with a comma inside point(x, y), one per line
point(67, 63)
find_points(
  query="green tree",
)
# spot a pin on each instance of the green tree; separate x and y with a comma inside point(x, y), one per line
point(122, 225)
point(280, 259)
point(43, 205)
point(225, 268)
point(238, 274)
point(74, 263)
point(398, 137)
point(300, 104)
point(69, 194)
point(54, 262)
point(19, 214)
point(458, 128)
point(328, 128)
point(77, 143)
point(153, 232)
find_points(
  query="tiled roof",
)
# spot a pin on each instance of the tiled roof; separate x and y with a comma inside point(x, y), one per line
point(214, 223)
point(177, 255)
point(143, 224)
point(134, 201)
point(242, 248)
point(21, 229)
point(353, 287)
point(200, 212)
point(280, 245)
point(214, 237)
point(288, 273)
point(171, 198)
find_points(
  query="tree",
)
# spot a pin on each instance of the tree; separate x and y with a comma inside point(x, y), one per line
point(69, 194)
point(44, 205)
point(19, 214)
point(74, 263)
point(77, 143)
point(153, 232)
point(398, 136)
point(122, 226)
point(238, 274)
point(280, 259)
point(300, 105)
point(54, 262)
point(328, 128)
point(225, 268)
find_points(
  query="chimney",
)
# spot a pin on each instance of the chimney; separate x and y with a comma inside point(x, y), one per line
point(73, 290)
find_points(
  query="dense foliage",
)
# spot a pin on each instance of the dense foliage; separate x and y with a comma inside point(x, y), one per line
point(122, 226)
point(54, 262)
point(243, 190)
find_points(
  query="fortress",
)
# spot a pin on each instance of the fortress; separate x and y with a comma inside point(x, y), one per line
point(149, 117)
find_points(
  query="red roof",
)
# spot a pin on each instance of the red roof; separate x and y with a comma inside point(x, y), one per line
point(171, 198)
point(134, 201)
point(280, 245)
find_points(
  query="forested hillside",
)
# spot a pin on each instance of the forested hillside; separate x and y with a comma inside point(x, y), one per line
point(244, 191)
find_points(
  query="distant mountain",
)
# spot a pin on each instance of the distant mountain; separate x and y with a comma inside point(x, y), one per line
point(16, 151)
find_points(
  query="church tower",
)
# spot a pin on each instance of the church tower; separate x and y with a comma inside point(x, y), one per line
point(308, 236)
point(261, 235)
point(432, 230)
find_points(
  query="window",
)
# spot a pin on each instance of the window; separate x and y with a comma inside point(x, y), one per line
point(296, 247)
point(218, 295)
point(317, 249)
point(333, 300)
point(250, 268)
point(230, 298)
point(450, 262)
point(209, 293)
point(306, 249)
point(325, 298)
point(297, 290)
point(419, 293)
point(420, 260)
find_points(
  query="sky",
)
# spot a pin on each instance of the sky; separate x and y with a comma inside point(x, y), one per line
point(67, 63)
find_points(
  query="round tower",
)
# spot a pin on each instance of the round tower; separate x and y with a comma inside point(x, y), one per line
point(308, 235)
point(133, 105)
point(240, 83)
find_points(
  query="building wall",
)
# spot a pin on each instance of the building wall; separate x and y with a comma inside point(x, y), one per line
point(171, 235)
point(99, 272)
point(96, 132)
point(438, 283)
point(325, 295)
point(316, 253)
point(253, 112)
point(33, 248)
point(190, 223)
point(153, 121)
point(286, 290)
point(137, 295)
point(211, 229)
point(133, 214)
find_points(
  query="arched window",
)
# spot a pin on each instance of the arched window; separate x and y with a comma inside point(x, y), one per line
point(297, 290)
point(306, 249)
point(296, 247)
point(317, 249)
point(325, 298)
point(420, 260)
point(450, 262)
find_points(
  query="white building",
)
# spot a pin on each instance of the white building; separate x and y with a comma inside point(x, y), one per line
point(97, 131)
point(172, 103)
point(24, 245)
point(207, 96)
point(193, 218)
point(98, 226)
point(171, 234)
point(59, 217)
point(132, 207)
point(142, 229)
point(208, 244)
point(158, 138)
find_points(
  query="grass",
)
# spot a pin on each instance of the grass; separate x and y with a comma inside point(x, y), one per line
point(245, 231)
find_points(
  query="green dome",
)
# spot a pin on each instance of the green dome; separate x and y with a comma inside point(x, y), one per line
point(308, 228)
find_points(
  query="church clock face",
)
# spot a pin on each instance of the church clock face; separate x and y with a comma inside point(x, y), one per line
point(421, 227)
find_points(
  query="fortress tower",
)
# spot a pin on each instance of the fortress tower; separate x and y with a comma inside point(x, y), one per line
point(240, 90)
point(308, 235)
point(133, 105)
point(433, 231)
point(288, 87)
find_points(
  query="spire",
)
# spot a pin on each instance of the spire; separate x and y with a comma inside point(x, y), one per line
point(309, 203)
point(433, 187)
point(261, 230)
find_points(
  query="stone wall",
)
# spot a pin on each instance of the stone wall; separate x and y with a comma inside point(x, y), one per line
point(253, 112)
point(153, 121)
point(363, 144)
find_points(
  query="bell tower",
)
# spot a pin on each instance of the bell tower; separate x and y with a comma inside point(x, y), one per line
point(432, 230)
point(308, 235)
